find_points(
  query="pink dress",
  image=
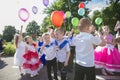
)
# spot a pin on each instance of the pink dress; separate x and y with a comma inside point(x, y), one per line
point(31, 64)
point(107, 57)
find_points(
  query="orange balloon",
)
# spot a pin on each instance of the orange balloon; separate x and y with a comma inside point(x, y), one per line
point(57, 18)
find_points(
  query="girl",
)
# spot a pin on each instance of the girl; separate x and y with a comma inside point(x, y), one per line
point(109, 57)
point(31, 63)
point(20, 50)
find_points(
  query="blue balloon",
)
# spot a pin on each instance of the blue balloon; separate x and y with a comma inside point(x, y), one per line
point(81, 11)
point(34, 9)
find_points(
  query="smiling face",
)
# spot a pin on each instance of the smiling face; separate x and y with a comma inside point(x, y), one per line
point(105, 29)
point(59, 34)
point(46, 38)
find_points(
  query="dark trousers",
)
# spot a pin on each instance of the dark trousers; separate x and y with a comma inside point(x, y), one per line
point(84, 72)
point(62, 70)
point(52, 64)
point(72, 53)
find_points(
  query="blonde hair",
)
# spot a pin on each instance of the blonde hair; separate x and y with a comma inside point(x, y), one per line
point(44, 34)
point(83, 23)
point(16, 38)
point(105, 26)
point(25, 39)
point(59, 30)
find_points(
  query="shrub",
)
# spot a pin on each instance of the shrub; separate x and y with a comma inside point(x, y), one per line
point(9, 49)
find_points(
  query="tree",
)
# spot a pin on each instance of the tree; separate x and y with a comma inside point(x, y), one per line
point(33, 29)
point(110, 15)
point(63, 5)
point(8, 33)
point(1, 35)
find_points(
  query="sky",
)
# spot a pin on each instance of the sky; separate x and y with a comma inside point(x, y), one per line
point(9, 11)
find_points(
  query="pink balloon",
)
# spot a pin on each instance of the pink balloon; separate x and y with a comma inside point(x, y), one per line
point(23, 14)
point(63, 14)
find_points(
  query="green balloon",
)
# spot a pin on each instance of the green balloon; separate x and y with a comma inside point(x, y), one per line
point(75, 21)
point(68, 14)
point(98, 21)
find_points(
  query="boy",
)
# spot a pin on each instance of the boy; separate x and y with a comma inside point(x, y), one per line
point(48, 49)
point(84, 42)
point(63, 52)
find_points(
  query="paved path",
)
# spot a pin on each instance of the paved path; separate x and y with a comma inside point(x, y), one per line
point(10, 72)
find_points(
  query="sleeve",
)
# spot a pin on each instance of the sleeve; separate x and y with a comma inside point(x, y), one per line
point(95, 40)
point(67, 47)
point(74, 40)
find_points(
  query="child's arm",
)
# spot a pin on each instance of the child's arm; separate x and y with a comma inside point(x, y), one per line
point(20, 39)
point(67, 59)
point(103, 42)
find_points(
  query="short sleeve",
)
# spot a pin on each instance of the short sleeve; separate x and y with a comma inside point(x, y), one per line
point(95, 40)
point(67, 47)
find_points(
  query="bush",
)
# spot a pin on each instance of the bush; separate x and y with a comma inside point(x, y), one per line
point(9, 49)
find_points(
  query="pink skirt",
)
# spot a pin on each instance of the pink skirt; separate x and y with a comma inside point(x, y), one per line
point(107, 57)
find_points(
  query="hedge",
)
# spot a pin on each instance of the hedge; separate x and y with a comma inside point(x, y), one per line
point(9, 49)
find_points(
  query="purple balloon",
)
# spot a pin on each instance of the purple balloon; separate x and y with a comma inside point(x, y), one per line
point(34, 9)
point(46, 2)
point(23, 14)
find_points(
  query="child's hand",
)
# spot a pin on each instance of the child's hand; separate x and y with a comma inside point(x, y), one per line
point(21, 26)
point(65, 64)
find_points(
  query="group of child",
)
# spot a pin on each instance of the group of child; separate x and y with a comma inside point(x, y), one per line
point(58, 49)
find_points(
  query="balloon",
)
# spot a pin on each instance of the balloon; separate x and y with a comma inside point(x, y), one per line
point(63, 14)
point(81, 5)
point(81, 11)
point(75, 21)
point(57, 18)
point(23, 14)
point(98, 21)
point(34, 9)
point(46, 2)
point(68, 14)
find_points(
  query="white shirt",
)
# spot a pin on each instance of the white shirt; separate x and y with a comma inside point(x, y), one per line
point(62, 54)
point(50, 52)
point(84, 48)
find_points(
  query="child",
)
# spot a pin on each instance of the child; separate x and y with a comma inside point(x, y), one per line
point(49, 50)
point(20, 50)
point(109, 58)
point(117, 29)
point(85, 51)
point(70, 37)
point(1, 47)
point(31, 63)
point(63, 52)
point(40, 43)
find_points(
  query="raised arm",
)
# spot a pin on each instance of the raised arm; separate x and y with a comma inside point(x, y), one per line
point(20, 39)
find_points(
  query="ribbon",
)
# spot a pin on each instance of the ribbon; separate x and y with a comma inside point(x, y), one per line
point(40, 44)
point(42, 59)
point(110, 47)
point(70, 38)
point(62, 44)
point(47, 46)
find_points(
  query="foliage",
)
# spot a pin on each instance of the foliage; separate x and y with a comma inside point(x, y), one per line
point(110, 15)
point(1, 35)
point(33, 29)
point(8, 33)
point(9, 49)
point(63, 5)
